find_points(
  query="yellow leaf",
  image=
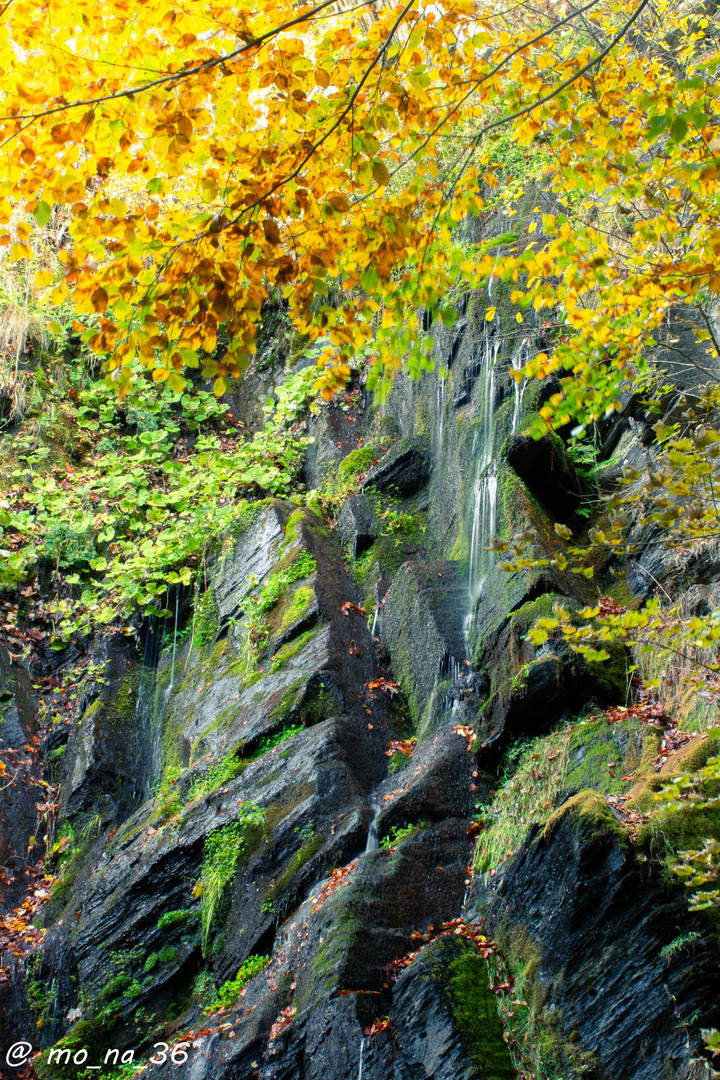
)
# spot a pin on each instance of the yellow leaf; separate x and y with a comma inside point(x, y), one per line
point(60, 294)
point(43, 278)
point(20, 251)
point(380, 173)
point(160, 374)
point(176, 383)
point(490, 314)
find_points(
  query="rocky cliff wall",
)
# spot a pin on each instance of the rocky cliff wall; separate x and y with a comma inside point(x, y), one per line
point(349, 821)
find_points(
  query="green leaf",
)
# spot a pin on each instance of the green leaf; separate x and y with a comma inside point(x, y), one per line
point(678, 129)
point(43, 213)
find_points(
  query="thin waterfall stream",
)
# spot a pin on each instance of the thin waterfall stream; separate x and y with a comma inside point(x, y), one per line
point(375, 803)
point(485, 486)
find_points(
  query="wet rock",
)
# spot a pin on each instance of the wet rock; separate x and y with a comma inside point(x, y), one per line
point(333, 434)
point(357, 524)
point(544, 468)
point(531, 686)
point(590, 923)
point(422, 623)
point(444, 1018)
point(19, 789)
point(235, 573)
point(328, 970)
point(105, 763)
point(403, 471)
point(436, 783)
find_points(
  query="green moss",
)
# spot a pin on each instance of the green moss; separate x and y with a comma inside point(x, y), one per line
point(288, 652)
point(592, 817)
point(475, 1014)
point(289, 702)
point(306, 704)
point(283, 885)
point(219, 773)
point(358, 462)
point(82, 835)
point(165, 956)
point(90, 1035)
point(116, 986)
point(224, 850)
point(600, 754)
point(230, 991)
point(298, 607)
point(293, 528)
point(224, 719)
point(173, 918)
point(39, 995)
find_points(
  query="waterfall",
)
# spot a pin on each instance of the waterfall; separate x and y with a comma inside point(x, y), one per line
point(485, 486)
point(362, 1047)
point(519, 361)
point(372, 841)
point(172, 669)
point(440, 411)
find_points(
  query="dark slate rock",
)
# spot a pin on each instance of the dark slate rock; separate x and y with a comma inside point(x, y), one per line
point(422, 623)
point(328, 969)
point(444, 1017)
point(595, 921)
point(333, 434)
point(435, 783)
point(544, 468)
point(403, 471)
point(18, 794)
point(357, 524)
point(251, 559)
point(104, 768)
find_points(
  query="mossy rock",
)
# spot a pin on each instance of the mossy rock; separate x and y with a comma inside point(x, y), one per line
point(458, 1011)
point(600, 754)
point(591, 816)
point(89, 1035)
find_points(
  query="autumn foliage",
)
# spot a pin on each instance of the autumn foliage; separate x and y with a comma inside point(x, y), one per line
point(192, 160)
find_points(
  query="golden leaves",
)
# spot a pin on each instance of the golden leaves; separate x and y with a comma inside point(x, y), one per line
point(99, 300)
point(276, 167)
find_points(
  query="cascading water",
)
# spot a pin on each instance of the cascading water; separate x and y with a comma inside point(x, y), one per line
point(362, 1048)
point(151, 699)
point(440, 411)
point(519, 361)
point(373, 842)
point(485, 487)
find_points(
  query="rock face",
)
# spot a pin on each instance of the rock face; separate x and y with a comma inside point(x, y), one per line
point(265, 845)
point(592, 921)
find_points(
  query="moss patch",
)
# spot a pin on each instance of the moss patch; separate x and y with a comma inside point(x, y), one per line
point(475, 1014)
point(592, 816)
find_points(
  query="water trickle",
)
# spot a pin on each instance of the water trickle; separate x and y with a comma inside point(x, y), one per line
point(172, 669)
point(491, 279)
point(373, 842)
point(519, 361)
point(374, 622)
point(360, 1070)
point(440, 412)
point(485, 487)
